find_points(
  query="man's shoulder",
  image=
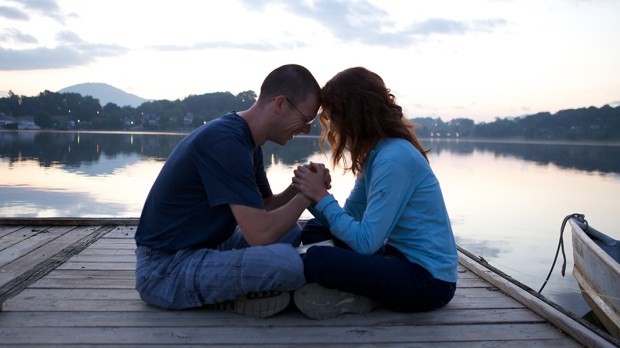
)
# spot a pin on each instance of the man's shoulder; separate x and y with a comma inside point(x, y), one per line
point(219, 122)
point(224, 128)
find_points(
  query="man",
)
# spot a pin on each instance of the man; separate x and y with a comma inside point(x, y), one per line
point(211, 231)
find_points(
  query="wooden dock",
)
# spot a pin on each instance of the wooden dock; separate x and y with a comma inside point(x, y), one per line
point(67, 282)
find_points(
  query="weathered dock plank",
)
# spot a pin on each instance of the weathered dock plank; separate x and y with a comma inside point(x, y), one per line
point(88, 299)
point(203, 318)
point(20, 235)
point(5, 230)
point(122, 232)
point(279, 335)
point(103, 297)
point(38, 251)
point(126, 266)
point(37, 246)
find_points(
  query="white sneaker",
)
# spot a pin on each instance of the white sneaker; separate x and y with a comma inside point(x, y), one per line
point(255, 304)
point(318, 302)
point(302, 249)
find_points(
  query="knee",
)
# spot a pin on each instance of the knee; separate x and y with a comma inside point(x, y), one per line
point(293, 236)
point(315, 261)
point(293, 266)
point(280, 265)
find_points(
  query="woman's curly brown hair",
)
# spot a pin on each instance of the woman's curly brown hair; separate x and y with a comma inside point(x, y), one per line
point(358, 110)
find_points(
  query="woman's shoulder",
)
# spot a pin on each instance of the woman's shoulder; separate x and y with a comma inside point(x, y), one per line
point(393, 151)
point(398, 148)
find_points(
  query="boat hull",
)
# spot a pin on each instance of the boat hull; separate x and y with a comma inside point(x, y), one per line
point(598, 276)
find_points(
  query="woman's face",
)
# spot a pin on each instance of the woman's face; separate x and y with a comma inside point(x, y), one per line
point(331, 119)
point(334, 124)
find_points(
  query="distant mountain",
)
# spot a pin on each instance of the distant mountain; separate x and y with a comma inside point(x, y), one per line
point(105, 93)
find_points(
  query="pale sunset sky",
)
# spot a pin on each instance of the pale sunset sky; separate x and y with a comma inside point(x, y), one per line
point(478, 59)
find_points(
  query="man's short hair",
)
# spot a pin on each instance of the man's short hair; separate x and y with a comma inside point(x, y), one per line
point(291, 80)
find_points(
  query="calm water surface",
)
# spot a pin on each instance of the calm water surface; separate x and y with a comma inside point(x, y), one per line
point(506, 200)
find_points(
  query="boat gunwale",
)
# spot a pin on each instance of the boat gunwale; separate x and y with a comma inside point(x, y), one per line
point(609, 261)
point(580, 329)
point(596, 296)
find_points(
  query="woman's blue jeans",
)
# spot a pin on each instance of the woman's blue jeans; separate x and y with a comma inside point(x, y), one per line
point(193, 278)
point(387, 277)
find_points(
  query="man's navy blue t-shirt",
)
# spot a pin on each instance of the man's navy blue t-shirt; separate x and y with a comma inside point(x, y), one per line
point(188, 206)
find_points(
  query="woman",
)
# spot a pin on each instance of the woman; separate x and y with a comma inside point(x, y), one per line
point(394, 242)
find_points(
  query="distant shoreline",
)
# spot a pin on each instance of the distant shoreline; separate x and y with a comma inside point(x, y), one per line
point(93, 131)
point(426, 140)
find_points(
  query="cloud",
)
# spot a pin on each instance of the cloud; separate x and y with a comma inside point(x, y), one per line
point(73, 52)
point(41, 5)
point(487, 25)
point(41, 58)
point(364, 22)
point(17, 37)
point(69, 37)
point(438, 26)
point(348, 21)
point(47, 8)
point(355, 21)
point(253, 46)
point(13, 13)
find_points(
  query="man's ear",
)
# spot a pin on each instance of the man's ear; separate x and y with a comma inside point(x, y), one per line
point(278, 103)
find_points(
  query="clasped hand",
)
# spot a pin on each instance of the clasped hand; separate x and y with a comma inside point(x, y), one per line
point(312, 180)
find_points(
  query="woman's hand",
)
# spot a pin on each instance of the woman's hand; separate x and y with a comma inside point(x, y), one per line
point(312, 180)
point(320, 166)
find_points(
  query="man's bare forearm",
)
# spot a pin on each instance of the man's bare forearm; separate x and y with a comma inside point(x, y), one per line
point(262, 227)
point(280, 199)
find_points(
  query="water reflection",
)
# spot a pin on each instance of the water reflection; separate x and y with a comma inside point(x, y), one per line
point(583, 156)
point(488, 248)
point(27, 201)
point(73, 150)
point(77, 149)
point(297, 151)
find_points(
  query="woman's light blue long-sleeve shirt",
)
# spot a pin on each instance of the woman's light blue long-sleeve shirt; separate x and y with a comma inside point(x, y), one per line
point(397, 201)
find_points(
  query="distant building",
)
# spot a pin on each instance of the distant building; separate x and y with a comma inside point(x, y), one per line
point(8, 122)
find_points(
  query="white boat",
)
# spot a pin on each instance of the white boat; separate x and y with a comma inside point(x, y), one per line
point(597, 270)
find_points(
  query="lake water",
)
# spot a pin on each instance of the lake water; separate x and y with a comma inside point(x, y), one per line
point(506, 200)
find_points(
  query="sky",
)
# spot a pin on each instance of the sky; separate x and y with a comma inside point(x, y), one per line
point(477, 59)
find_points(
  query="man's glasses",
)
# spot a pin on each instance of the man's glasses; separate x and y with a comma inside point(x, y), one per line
point(307, 120)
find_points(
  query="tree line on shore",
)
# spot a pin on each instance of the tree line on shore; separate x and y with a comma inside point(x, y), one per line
point(52, 110)
point(592, 123)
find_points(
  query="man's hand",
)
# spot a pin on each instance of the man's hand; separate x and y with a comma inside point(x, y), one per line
point(315, 167)
point(312, 181)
